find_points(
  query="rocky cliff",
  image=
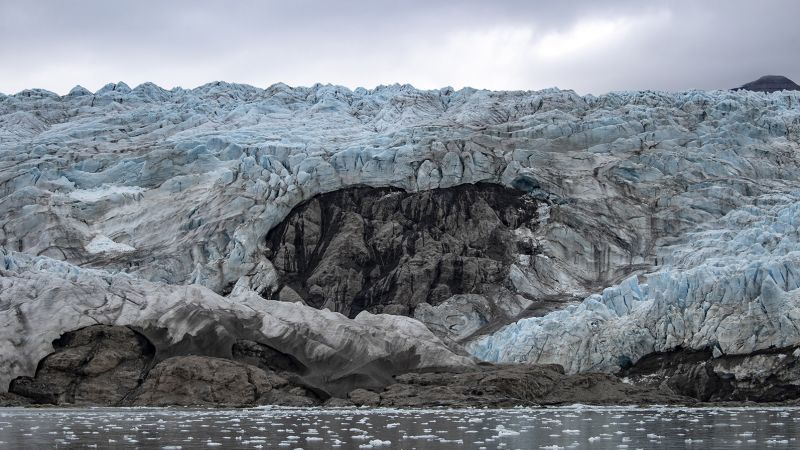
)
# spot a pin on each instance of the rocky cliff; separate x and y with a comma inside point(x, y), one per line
point(520, 227)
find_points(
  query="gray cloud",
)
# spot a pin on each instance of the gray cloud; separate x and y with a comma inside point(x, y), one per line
point(589, 46)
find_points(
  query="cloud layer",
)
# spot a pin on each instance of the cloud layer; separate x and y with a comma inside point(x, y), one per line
point(589, 46)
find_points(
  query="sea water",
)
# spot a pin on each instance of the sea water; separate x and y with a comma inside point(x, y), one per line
point(352, 428)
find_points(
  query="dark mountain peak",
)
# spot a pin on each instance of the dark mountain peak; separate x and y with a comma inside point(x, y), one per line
point(770, 83)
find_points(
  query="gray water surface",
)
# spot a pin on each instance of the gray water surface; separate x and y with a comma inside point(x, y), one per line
point(524, 428)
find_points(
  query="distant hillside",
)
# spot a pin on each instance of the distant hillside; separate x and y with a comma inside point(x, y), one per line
point(771, 83)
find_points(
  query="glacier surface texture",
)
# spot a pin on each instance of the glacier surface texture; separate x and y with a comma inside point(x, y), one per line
point(646, 221)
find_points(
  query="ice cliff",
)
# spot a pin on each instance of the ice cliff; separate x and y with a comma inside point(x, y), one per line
point(674, 215)
point(42, 298)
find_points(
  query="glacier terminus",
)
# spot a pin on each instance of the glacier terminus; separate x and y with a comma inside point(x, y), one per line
point(321, 244)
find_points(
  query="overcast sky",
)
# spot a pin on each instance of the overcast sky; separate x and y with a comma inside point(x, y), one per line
point(588, 46)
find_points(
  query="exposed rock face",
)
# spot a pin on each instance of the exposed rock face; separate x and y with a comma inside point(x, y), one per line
point(113, 366)
point(385, 250)
point(768, 376)
point(363, 397)
point(204, 381)
point(96, 365)
point(8, 399)
point(771, 83)
point(506, 386)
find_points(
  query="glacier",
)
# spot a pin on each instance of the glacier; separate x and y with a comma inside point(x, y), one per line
point(665, 220)
point(732, 287)
point(43, 298)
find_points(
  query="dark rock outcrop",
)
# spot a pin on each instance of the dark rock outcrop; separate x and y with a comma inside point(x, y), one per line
point(771, 83)
point(505, 386)
point(385, 250)
point(113, 365)
point(96, 365)
point(206, 381)
point(7, 399)
point(767, 376)
point(364, 397)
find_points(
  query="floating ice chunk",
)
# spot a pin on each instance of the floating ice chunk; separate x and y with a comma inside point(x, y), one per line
point(503, 432)
point(421, 436)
